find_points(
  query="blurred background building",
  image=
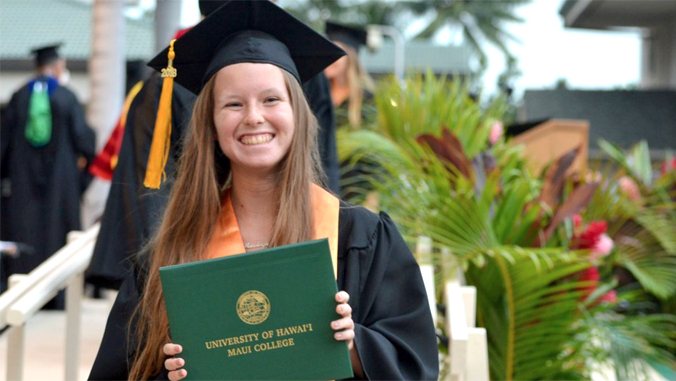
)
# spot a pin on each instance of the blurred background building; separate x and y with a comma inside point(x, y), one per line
point(627, 115)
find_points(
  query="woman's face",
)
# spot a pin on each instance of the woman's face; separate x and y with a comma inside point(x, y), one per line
point(253, 116)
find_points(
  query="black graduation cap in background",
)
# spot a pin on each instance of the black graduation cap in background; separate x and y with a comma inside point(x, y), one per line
point(45, 55)
point(351, 36)
point(519, 128)
point(208, 7)
point(248, 31)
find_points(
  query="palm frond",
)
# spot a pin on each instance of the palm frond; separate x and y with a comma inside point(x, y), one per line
point(636, 161)
point(641, 253)
point(528, 308)
point(631, 344)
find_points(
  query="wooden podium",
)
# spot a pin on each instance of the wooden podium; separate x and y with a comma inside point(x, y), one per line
point(551, 139)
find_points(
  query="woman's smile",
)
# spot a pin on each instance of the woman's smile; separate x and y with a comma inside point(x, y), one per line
point(256, 139)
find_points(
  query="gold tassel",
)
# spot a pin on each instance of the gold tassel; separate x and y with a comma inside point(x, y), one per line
point(159, 149)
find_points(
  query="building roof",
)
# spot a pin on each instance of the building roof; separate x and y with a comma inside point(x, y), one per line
point(419, 55)
point(26, 24)
point(606, 14)
point(622, 117)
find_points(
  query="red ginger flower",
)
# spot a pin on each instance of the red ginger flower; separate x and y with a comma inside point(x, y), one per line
point(595, 239)
point(668, 166)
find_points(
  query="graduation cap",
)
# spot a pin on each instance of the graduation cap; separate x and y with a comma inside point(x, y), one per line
point(239, 31)
point(46, 54)
point(208, 7)
point(519, 128)
point(248, 31)
point(351, 36)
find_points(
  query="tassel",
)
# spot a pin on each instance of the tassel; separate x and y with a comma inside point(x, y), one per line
point(159, 149)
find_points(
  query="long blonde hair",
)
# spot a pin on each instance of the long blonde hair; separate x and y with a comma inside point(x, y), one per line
point(358, 81)
point(195, 204)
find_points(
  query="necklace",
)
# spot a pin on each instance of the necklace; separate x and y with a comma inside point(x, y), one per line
point(249, 246)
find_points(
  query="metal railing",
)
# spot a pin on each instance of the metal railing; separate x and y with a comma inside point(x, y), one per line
point(28, 293)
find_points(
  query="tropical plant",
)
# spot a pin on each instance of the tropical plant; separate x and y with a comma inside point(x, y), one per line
point(641, 214)
point(513, 235)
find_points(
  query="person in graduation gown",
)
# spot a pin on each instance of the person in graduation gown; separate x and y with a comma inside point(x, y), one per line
point(352, 96)
point(133, 210)
point(351, 86)
point(46, 147)
point(248, 179)
point(318, 93)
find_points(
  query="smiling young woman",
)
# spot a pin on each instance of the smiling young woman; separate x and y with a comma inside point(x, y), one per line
point(248, 178)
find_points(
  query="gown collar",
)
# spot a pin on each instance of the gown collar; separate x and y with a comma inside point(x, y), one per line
point(227, 240)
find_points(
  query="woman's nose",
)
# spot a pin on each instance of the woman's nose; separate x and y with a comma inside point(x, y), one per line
point(254, 116)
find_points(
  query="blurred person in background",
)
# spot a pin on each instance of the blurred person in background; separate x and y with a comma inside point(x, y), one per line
point(351, 92)
point(46, 148)
point(350, 83)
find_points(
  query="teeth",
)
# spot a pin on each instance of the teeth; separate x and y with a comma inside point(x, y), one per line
point(256, 139)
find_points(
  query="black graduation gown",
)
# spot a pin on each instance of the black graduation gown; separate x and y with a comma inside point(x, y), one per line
point(318, 93)
point(132, 211)
point(394, 333)
point(46, 184)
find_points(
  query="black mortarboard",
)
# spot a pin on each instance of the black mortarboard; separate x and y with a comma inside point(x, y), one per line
point(351, 36)
point(519, 128)
point(208, 7)
point(46, 54)
point(248, 31)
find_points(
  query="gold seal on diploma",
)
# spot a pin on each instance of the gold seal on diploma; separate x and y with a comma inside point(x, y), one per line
point(253, 307)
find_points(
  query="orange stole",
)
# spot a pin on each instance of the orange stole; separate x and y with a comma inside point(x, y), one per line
point(227, 240)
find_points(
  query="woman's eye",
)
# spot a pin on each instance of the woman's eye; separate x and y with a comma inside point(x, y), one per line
point(272, 100)
point(233, 105)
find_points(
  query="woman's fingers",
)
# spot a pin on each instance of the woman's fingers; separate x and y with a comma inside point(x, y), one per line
point(177, 375)
point(344, 310)
point(172, 349)
point(342, 297)
point(346, 335)
point(173, 363)
point(344, 323)
point(344, 326)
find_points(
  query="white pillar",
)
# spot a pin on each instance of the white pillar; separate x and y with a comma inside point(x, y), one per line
point(16, 341)
point(107, 71)
point(658, 59)
point(107, 68)
point(167, 22)
point(74, 292)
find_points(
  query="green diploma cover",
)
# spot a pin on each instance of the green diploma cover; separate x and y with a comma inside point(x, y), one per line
point(263, 315)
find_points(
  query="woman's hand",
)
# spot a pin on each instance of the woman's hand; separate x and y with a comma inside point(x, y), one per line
point(345, 330)
point(174, 364)
point(345, 325)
